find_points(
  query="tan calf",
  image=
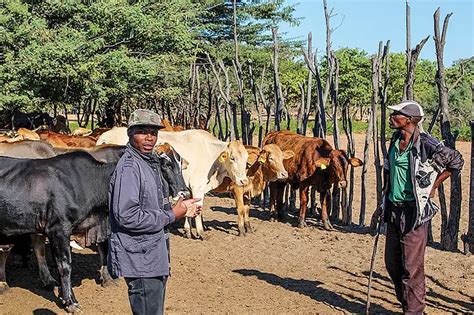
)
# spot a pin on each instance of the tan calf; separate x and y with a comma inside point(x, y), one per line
point(264, 165)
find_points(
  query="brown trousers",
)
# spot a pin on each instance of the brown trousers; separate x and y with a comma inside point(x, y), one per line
point(405, 257)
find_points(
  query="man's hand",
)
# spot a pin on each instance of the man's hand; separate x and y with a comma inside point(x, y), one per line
point(187, 208)
point(375, 218)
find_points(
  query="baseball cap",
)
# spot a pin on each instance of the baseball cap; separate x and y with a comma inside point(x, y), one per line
point(145, 117)
point(408, 108)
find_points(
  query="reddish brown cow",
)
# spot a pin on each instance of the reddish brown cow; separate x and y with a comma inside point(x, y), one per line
point(66, 141)
point(98, 131)
point(315, 163)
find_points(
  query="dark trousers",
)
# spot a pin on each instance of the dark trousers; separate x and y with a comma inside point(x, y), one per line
point(405, 258)
point(147, 295)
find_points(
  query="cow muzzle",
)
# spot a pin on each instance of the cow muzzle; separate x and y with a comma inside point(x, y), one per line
point(185, 194)
point(282, 175)
point(242, 182)
point(342, 184)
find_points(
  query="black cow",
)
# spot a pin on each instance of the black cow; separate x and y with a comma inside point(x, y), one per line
point(16, 119)
point(96, 225)
point(52, 197)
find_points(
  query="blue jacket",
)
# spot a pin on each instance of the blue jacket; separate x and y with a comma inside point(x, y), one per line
point(139, 212)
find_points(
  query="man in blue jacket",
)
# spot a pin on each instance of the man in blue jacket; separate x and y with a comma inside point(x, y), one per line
point(139, 213)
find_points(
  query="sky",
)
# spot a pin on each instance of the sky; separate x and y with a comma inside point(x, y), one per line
point(363, 23)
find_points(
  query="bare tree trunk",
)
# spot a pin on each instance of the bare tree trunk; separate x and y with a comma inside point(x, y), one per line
point(230, 106)
point(279, 102)
point(412, 57)
point(266, 104)
point(330, 66)
point(383, 100)
point(219, 120)
point(319, 129)
point(376, 88)
point(93, 112)
point(244, 113)
point(253, 85)
point(364, 170)
point(468, 238)
point(301, 108)
point(336, 192)
point(348, 198)
point(449, 240)
point(408, 45)
point(210, 97)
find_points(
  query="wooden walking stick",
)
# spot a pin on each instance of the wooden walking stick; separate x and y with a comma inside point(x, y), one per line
point(372, 263)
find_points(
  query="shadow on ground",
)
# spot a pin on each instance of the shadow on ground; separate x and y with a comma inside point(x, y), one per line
point(315, 291)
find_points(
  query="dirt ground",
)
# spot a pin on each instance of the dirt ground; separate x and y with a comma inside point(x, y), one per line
point(277, 269)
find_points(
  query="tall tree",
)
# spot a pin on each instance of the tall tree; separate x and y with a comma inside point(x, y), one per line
point(449, 235)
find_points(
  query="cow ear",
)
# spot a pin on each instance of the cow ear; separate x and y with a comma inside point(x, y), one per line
point(322, 163)
point(223, 157)
point(184, 164)
point(355, 162)
point(253, 157)
point(288, 154)
point(262, 158)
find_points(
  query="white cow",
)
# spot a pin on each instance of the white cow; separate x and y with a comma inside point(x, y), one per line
point(209, 161)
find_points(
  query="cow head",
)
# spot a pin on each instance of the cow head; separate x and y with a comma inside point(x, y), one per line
point(234, 159)
point(171, 169)
point(271, 157)
point(337, 165)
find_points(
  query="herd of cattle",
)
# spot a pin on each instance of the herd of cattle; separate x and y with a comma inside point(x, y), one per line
point(55, 186)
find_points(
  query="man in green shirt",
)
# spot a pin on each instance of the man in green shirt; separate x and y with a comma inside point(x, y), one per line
point(415, 166)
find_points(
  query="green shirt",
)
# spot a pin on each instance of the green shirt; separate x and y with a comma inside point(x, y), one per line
point(401, 186)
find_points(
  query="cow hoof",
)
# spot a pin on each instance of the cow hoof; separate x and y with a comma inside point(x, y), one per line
point(203, 237)
point(188, 234)
point(248, 228)
point(105, 279)
point(302, 224)
point(3, 287)
point(74, 308)
point(328, 226)
point(108, 283)
point(50, 285)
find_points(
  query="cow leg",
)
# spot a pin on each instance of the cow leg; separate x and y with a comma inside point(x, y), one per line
point(248, 228)
point(4, 252)
point(273, 191)
point(279, 200)
point(187, 227)
point(303, 206)
point(38, 243)
point(324, 209)
point(105, 278)
point(62, 255)
point(239, 203)
point(200, 228)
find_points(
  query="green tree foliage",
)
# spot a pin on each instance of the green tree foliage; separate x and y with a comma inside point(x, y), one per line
point(73, 51)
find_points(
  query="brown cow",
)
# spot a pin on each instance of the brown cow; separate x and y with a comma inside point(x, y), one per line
point(19, 135)
point(265, 165)
point(315, 164)
point(98, 131)
point(169, 127)
point(66, 141)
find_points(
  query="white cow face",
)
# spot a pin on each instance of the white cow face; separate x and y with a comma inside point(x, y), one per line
point(234, 159)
